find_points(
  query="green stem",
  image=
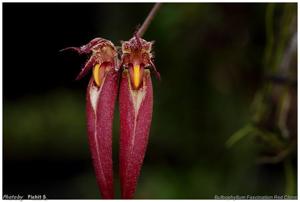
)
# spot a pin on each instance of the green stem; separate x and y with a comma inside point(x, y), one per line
point(290, 178)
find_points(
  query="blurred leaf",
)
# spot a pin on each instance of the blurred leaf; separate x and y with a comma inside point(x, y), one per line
point(239, 135)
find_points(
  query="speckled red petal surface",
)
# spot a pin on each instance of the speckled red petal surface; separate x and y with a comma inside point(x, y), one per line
point(100, 109)
point(135, 116)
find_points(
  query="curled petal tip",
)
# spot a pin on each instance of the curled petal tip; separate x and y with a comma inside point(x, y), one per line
point(71, 48)
point(81, 74)
point(157, 74)
point(78, 77)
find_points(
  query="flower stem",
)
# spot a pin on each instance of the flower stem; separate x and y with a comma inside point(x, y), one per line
point(148, 20)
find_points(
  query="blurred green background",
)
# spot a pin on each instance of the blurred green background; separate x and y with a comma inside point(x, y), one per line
point(212, 59)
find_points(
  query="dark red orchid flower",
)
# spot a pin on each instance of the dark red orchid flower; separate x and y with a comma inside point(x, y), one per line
point(100, 103)
point(135, 101)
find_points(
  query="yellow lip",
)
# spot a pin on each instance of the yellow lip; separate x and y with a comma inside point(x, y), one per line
point(97, 74)
point(136, 76)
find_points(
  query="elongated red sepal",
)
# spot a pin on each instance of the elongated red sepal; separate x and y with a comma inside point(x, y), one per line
point(100, 109)
point(135, 116)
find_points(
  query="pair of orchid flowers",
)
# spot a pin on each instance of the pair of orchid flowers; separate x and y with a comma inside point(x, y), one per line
point(129, 75)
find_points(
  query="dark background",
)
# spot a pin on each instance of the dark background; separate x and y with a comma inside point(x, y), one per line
point(210, 59)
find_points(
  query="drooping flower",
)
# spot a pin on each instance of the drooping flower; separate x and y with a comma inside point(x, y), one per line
point(135, 104)
point(100, 103)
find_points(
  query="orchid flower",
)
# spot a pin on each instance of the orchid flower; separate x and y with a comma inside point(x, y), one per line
point(100, 102)
point(135, 104)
